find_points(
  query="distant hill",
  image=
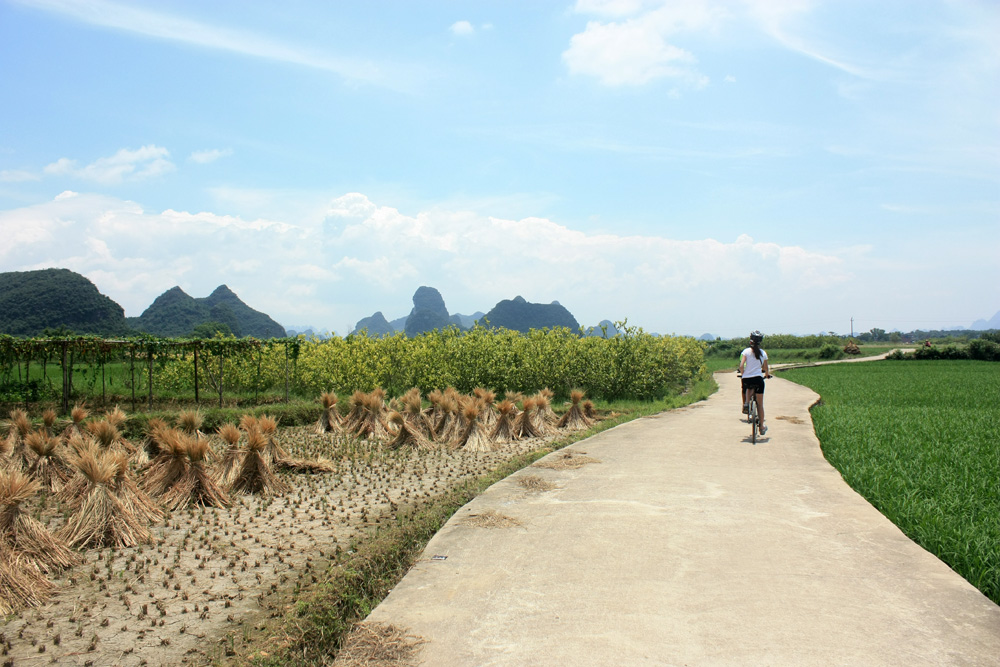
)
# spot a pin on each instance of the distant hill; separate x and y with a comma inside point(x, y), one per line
point(606, 329)
point(376, 326)
point(176, 314)
point(429, 312)
point(32, 301)
point(983, 325)
point(519, 315)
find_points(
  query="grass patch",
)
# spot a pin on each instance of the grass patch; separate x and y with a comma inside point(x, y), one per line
point(318, 625)
point(919, 442)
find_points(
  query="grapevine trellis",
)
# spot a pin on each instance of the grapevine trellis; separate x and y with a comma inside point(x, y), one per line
point(140, 353)
point(630, 365)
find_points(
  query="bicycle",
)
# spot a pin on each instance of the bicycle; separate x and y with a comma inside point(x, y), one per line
point(752, 417)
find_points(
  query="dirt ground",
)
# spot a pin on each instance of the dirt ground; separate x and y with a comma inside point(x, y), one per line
point(214, 576)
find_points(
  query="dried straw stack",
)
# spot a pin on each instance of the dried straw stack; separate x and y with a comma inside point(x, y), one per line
point(329, 420)
point(196, 485)
point(524, 425)
point(503, 429)
point(49, 468)
point(475, 436)
point(255, 475)
point(24, 535)
point(102, 520)
point(574, 417)
point(21, 583)
point(408, 434)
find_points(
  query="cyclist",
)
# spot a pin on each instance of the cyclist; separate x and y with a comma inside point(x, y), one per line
point(753, 368)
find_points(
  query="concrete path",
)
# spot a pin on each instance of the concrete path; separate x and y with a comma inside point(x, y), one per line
point(687, 545)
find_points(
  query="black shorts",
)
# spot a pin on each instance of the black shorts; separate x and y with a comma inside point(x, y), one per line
point(754, 383)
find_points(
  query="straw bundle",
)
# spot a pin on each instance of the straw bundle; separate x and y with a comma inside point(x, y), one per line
point(574, 417)
point(269, 427)
point(25, 535)
point(21, 584)
point(128, 492)
point(49, 468)
point(475, 436)
point(408, 435)
point(195, 485)
point(229, 466)
point(524, 425)
point(503, 429)
point(170, 465)
point(255, 475)
point(330, 419)
point(487, 410)
point(102, 520)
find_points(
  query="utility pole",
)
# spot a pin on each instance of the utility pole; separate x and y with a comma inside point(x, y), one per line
point(852, 327)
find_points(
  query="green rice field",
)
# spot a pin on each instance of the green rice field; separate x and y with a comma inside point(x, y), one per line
point(921, 441)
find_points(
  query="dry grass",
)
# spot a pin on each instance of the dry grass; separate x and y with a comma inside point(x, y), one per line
point(491, 519)
point(535, 483)
point(378, 645)
point(568, 460)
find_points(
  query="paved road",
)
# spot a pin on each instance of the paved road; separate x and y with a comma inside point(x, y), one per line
point(687, 545)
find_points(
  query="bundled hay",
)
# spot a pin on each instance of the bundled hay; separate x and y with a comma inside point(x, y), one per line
point(25, 535)
point(448, 426)
point(355, 406)
point(544, 408)
point(475, 436)
point(49, 468)
point(229, 466)
point(102, 520)
point(152, 443)
point(106, 432)
point(269, 427)
point(255, 475)
point(195, 486)
point(21, 584)
point(190, 422)
point(524, 425)
point(487, 410)
point(117, 417)
point(514, 397)
point(77, 415)
point(330, 419)
point(72, 492)
point(18, 429)
point(540, 418)
point(128, 492)
point(503, 429)
point(170, 465)
point(408, 434)
point(415, 415)
point(49, 419)
point(574, 417)
point(589, 411)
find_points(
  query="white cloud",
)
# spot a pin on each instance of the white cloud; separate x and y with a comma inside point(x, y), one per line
point(377, 256)
point(146, 162)
point(207, 156)
point(462, 28)
point(639, 49)
point(17, 176)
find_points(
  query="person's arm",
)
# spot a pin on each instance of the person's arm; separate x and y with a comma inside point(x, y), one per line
point(743, 363)
point(764, 368)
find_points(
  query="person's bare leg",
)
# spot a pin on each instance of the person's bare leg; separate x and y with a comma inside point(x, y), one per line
point(760, 411)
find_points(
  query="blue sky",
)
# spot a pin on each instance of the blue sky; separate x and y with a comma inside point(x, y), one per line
point(782, 165)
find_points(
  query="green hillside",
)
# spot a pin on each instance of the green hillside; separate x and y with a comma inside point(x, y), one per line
point(176, 314)
point(32, 301)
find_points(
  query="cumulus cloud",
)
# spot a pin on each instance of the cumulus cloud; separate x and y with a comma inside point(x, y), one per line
point(125, 165)
point(638, 48)
point(366, 257)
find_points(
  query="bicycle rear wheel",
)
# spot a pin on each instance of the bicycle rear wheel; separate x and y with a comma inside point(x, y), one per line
point(752, 418)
